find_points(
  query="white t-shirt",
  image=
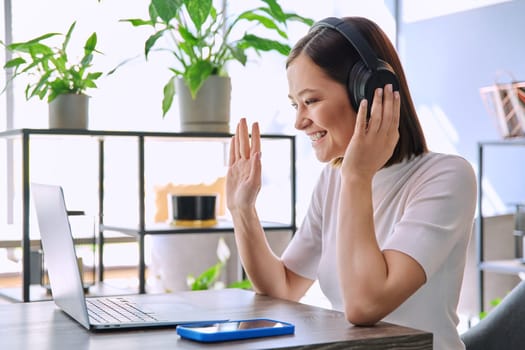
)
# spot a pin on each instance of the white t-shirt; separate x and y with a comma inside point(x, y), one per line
point(423, 207)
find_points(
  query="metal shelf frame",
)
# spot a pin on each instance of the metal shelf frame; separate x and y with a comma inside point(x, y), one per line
point(142, 230)
point(511, 266)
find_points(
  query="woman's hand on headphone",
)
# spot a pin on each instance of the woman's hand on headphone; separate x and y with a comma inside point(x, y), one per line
point(373, 143)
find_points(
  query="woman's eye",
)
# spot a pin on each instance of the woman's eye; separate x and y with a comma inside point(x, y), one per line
point(309, 101)
point(294, 105)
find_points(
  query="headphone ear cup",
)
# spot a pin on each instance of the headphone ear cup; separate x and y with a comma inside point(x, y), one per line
point(357, 82)
point(363, 82)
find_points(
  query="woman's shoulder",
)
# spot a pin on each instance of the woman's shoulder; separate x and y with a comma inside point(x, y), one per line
point(450, 167)
point(446, 162)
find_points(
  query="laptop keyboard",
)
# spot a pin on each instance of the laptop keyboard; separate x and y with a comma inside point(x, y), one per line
point(116, 310)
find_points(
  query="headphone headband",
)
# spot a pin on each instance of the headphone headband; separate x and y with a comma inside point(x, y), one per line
point(367, 74)
point(353, 36)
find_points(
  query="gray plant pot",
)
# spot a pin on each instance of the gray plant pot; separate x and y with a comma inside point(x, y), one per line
point(69, 111)
point(210, 110)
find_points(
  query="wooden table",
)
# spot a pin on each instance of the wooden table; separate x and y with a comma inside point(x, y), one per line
point(41, 326)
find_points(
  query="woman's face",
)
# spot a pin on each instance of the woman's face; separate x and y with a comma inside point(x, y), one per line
point(323, 109)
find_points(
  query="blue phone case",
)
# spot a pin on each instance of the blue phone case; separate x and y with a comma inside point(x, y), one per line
point(209, 332)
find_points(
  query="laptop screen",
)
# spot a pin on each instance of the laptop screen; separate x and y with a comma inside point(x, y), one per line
point(59, 251)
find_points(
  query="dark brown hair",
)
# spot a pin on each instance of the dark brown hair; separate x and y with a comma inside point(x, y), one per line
point(336, 56)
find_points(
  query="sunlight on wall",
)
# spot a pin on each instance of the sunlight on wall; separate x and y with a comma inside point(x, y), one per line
point(442, 137)
point(415, 10)
point(440, 133)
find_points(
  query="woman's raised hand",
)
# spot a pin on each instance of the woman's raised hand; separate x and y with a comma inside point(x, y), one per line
point(243, 181)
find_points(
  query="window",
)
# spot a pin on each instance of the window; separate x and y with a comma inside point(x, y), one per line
point(130, 99)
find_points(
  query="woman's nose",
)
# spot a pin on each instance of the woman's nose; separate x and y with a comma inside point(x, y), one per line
point(301, 121)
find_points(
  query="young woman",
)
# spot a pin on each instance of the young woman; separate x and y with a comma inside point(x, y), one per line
point(388, 225)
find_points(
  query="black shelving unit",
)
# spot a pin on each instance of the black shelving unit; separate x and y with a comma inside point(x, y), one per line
point(142, 229)
point(509, 266)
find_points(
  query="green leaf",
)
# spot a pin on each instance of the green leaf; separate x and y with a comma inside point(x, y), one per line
point(137, 22)
point(244, 284)
point(176, 72)
point(41, 86)
point(275, 10)
point(169, 92)
point(166, 9)
point(68, 36)
point(496, 301)
point(150, 42)
point(86, 60)
point(213, 13)
point(262, 44)
point(89, 84)
point(199, 10)
point(32, 48)
point(238, 54)
point(30, 67)
point(24, 46)
point(196, 75)
point(15, 62)
point(296, 17)
point(90, 44)
point(206, 279)
point(94, 76)
point(265, 21)
point(188, 36)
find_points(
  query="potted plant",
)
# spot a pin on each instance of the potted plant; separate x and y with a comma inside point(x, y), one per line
point(55, 77)
point(202, 40)
point(209, 279)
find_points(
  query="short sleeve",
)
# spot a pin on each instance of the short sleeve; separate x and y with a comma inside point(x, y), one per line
point(439, 213)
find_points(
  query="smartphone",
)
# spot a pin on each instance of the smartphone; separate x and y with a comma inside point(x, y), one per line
point(232, 330)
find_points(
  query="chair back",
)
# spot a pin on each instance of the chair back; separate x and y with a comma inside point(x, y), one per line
point(503, 327)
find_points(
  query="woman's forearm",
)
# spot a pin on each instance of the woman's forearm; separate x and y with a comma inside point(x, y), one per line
point(374, 282)
point(265, 270)
point(361, 265)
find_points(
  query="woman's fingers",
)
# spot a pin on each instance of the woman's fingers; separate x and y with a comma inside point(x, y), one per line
point(237, 149)
point(376, 112)
point(388, 103)
point(244, 141)
point(256, 139)
point(361, 122)
point(232, 159)
point(397, 112)
point(240, 144)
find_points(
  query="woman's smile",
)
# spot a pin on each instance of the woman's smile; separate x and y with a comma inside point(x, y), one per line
point(323, 110)
point(316, 136)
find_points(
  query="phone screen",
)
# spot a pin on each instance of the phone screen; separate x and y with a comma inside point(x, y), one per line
point(236, 325)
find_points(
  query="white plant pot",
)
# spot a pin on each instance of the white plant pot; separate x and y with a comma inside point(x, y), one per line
point(210, 110)
point(69, 111)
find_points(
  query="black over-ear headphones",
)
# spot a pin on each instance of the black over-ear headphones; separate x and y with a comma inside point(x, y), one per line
point(366, 75)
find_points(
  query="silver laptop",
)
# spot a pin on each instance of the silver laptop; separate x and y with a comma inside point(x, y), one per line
point(100, 313)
